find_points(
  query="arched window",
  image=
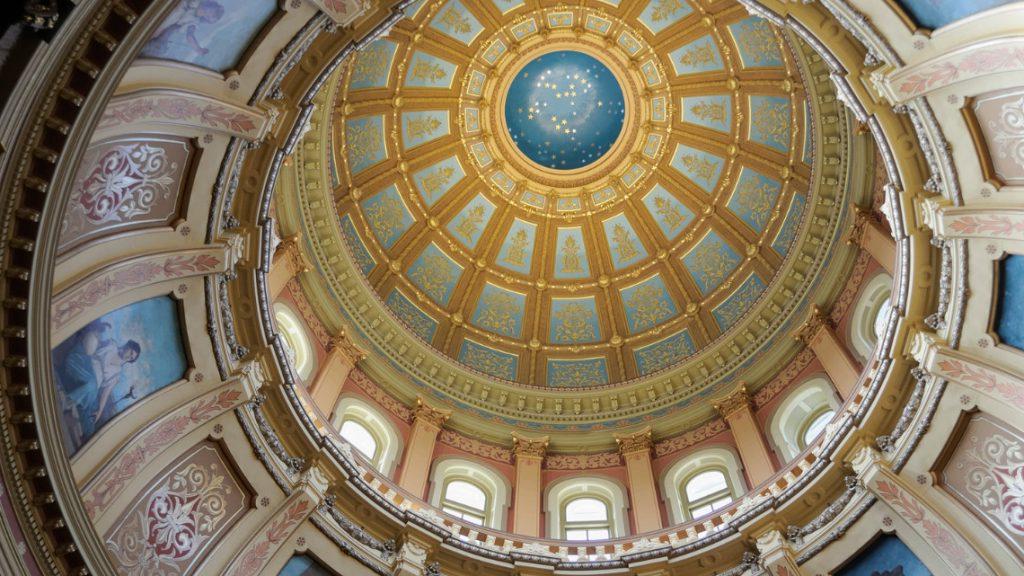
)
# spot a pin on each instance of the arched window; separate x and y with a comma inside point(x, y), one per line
point(702, 483)
point(586, 518)
point(296, 344)
point(360, 438)
point(465, 500)
point(586, 509)
point(369, 433)
point(802, 416)
point(470, 491)
point(815, 426)
point(707, 491)
point(870, 314)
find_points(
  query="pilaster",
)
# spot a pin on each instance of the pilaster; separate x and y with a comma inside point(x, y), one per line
point(643, 490)
point(529, 454)
point(427, 423)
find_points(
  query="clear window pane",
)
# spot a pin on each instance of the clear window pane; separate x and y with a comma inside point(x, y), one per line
point(702, 511)
point(360, 438)
point(597, 534)
point(721, 503)
point(883, 317)
point(817, 426)
point(586, 510)
point(469, 495)
point(705, 484)
point(575, 534)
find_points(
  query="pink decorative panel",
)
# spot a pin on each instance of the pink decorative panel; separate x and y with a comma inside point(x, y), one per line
point(182, 514)
point(1001, 117)
point(126, 184)
point(985, 472)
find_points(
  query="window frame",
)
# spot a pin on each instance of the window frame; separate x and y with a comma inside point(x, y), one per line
point(689, 507)
point(587, 525)
point(379, 443)
point(805, 426)
point(462, 509)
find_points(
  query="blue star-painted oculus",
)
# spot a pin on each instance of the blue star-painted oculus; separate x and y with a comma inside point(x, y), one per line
point(564, 110)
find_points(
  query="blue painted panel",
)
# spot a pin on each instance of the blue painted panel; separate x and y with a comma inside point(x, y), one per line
point(302, 565)
point(372, 65)
point(436, 180)
point(754, 197)
point(935, 14)
point(577, 373)
point(623, 244)
point(424, 126)
point(886, 556)
point(714, 112)
point(435, 273)
point(362, 257)
point(500, 311)
point(790, 226)
point(421, 323)
point(770, 122)
point(429, 71)
point(660, 14)
point(663, 353)
point(1010, 313)
point(739, 302)
point(469, 224)
point(212, 34)
point(488, 360)
point(756, 42)
point(517, 247)
point(387, 215)
point(113, 362)
point(671, 215)
point(711, 262)
point(453, 19)
point(364, 142)
point(702, 168)
point(507, 6)
point(647, 304)
point(574, 321)
point(571, 259)
point(701, 55)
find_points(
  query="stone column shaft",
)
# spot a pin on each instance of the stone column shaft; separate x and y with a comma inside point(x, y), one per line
point(341, 358)
point(527, 492)
point(419, 453)
point(817, 333)
point(750, 442)
point(288, 263)
point(873, 238)
point(643, 490)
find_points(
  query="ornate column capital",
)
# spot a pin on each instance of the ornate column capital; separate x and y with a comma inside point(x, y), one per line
point(289, 252)
point(424, 412)
point(862, 218)
point(817, 320)
point(738, 400)
point(640, 441)
point(526, 446)
point(342, 344)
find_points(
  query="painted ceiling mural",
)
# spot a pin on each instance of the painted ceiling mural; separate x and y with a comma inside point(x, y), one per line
point(572, 197)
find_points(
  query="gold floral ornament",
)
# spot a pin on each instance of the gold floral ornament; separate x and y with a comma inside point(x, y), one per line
point(499, 312)
point(709, 111)
point(625, 245)
point(571, 256)
point(698, 55)
point(665, 9)
point(573, 323)
point(772, 121)
point(428, 72)
point(576, 374)
point(648, 307)
point(516, 255)
point(419, 128)
point(364, 140)
point(700, 167)
point(454, 22)
point(668, 212)
point(756, 198)
point(369, 63)
point(386, 217)
point(434, 181)
point(434, 276)
point(469, 225)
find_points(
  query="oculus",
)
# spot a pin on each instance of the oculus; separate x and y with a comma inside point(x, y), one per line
point(564, 110)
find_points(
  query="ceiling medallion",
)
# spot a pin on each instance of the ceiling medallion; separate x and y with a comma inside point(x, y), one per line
point(564, 110)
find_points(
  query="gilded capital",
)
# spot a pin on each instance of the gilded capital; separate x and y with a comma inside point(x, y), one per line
point(729, 405)
point(426, 413)
point(862, 218)
point(815, 322)
point(289, 253)
point(343, 345)
point(640, 441)
point(526, 446)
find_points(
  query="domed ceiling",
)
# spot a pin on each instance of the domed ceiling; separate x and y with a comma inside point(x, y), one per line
point(570, 197)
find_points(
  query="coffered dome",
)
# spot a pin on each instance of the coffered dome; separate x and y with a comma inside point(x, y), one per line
point(576, 197)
